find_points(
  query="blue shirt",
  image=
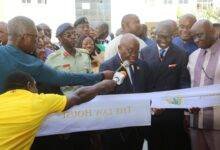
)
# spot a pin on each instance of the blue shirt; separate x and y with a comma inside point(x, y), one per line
point(189, 47)
point(149, 42)
point(13, 59)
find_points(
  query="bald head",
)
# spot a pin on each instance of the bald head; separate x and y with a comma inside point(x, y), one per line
point(127, 38)
point(19, 26)
point(143, 31)
point(187, 17)
point(173, 26)
point(185, 23)
point(129, 47)
point(164, 34)
point(3, 33)
point(22, 33)
point(164, 26)
point(203, 33)
point(131, 24)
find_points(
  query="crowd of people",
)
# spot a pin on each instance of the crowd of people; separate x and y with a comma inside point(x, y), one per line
point(181, 54)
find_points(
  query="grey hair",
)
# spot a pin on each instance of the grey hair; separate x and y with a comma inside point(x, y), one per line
point(19, 26)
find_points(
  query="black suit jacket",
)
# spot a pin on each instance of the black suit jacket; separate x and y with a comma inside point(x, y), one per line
point(141, 76)
point(172, 72)
point(169, 74)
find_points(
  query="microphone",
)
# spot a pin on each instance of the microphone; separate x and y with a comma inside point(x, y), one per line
point(124, 64)
point(119, 77)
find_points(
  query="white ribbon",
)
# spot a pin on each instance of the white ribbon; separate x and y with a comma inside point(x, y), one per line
point(126, 110)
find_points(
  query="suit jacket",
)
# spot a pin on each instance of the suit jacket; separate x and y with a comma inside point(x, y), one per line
point(172, 72)
point(169, 74)
point(126, 138)
point(141, 76)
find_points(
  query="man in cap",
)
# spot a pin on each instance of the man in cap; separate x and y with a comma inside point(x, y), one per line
point(73, 60)
point(185, 40)
point(3, 33)
point(82, 26)
point(130, 23)
point(68, 58)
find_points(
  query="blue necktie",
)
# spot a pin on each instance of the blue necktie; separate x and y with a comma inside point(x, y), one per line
point(162, 53)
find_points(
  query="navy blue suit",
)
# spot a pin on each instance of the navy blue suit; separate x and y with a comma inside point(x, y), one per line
point(168, 73)
point(126, 138)
point(141, 76)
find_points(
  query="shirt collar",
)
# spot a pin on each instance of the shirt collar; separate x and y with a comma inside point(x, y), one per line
point(67, 54)
point(159, 48)
point(214, 48)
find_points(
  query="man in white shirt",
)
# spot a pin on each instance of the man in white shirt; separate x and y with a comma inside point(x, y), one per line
point(130, 24)
point(204, 68)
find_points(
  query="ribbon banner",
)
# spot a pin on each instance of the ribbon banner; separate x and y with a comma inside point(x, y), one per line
point(126, 110)
point(103, 112)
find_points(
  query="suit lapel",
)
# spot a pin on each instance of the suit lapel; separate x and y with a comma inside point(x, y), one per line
point(168, 59)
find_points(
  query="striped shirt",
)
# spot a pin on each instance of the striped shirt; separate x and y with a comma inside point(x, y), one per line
point(204, 68)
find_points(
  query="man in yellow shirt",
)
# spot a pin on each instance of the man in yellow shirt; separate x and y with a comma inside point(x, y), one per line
point(22, 110)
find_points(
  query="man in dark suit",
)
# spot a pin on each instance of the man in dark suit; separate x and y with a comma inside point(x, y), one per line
point(136, 81)
point(169, 71)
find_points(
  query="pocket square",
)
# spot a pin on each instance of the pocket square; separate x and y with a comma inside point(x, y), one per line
point(172, 65)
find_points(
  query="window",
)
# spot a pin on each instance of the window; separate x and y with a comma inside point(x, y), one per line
point(183, 1)
point(204, 4)
point(42, 1)
point(26, 1)
point(168, 1)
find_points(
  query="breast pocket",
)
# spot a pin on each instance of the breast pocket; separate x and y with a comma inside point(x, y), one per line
point(173, 67)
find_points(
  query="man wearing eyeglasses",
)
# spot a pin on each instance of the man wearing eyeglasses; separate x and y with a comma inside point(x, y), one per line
point(204, 68)
point(73, 60)
point(68, 58)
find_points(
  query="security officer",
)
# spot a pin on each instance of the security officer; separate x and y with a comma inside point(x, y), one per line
point(68, 58)
point(74, 60)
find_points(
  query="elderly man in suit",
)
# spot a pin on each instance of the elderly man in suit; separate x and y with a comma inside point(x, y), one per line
point(169, 71)
point(137, 81)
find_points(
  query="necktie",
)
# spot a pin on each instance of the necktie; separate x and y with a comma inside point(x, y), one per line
point(131, 73)
point(162, 53)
